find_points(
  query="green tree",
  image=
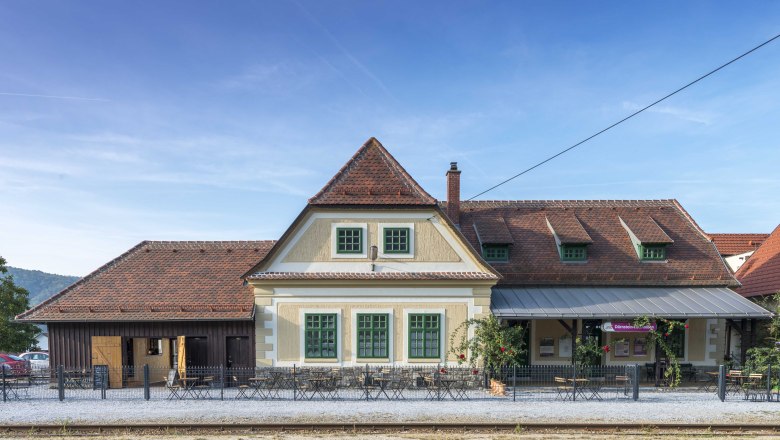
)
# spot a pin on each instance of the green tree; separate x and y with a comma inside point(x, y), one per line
point(14, 336)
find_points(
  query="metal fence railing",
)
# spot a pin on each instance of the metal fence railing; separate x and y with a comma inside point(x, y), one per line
point(368, 383)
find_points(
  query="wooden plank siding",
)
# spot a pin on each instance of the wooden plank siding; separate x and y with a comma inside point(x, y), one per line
point(70, 343)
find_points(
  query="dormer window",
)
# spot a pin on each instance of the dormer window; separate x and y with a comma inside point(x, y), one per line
point(349, 240)
point(652, 252)
point(574, 252)
point(495, 252)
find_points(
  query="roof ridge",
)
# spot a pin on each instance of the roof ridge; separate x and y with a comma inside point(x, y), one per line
point(403, 177)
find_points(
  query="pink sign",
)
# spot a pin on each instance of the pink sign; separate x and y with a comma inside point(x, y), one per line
point(624, 326)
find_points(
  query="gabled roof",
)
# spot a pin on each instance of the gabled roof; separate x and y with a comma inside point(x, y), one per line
point(372, 177)
point(760, 275)
point(645, 228)
point(568, 229)
point(159, 281)
point(612, 260)
point(492, 230)
point(734, 244)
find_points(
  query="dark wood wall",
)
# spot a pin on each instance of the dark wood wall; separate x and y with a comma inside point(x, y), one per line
point(70, 343)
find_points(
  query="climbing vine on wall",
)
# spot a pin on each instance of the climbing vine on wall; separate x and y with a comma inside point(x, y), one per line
point(662, 335)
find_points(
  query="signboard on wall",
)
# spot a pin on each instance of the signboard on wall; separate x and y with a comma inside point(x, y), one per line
point(564, 346)
point(625, 326)
point(547, 347)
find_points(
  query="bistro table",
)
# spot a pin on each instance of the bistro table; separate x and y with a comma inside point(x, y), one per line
point(382, 383)
point(275, 383)
point(580, 385)
point(711, 382)
point(188, 386)
point(318, 385)
point(446, 387)
point(258, 384)
point(76, 379)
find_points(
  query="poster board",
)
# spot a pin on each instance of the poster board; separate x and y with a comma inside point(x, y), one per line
point(622, 348)
point(564, 346)
point(99, 377)
point(547, 347)
point(640, 346)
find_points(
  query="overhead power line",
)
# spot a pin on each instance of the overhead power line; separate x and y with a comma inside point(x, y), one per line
point(627, 117)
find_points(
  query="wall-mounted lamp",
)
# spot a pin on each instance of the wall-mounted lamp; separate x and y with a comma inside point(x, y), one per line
point(372, 253)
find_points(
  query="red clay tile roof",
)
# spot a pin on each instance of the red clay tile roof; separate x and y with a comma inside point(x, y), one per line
point(760, 275)
point(161, 280)
point(414, 276)
point(733, 244)
point(645, 228)
point(492, 230)
point(612, 259)
point(372, 177)
point(568, 229)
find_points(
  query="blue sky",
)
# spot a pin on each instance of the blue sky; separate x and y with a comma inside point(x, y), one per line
point(125, 121)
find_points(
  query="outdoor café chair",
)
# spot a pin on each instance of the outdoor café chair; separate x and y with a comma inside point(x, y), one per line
point(241, 388)
point(735, 378)
point(172, 385)
point(432, 387)
point(564, 389)
point(753, 387)
point(202, 390)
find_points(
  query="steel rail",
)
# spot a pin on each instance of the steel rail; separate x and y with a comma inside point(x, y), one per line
point(520, 426)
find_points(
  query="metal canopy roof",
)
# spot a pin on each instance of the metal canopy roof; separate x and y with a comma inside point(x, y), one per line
point(616, 302)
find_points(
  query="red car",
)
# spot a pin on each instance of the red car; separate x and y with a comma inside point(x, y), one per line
point(14, 365)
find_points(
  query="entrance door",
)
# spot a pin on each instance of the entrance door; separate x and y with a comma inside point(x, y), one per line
point(107, 350)
point(237, 350)
point(197, 352)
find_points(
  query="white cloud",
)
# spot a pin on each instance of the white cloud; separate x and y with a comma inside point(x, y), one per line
point(698, 117)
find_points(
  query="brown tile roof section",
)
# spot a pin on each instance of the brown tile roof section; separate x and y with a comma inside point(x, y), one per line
point(612, 260)
point(568, 229)
point(492, 230)
point(760, 275)
point(372, 177)
point(414, 276)
point(162, 280)
point(733, 244)
point(645, 228)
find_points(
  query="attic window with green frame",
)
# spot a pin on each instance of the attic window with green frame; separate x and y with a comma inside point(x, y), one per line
point(574, 252)
point(495, 252)
point(652, 252)
point(396, 240)
point(349, 240)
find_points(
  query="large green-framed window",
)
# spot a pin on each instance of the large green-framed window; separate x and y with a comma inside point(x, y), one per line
point(652, 252)
point(396, 240)
point(349, 240)
point(320, 336)
point(424, 335)
point(574, 252)
point(495, 252)
point(373, 335)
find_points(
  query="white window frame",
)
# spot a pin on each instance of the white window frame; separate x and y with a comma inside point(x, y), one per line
point(381, 240)
point(334, 246)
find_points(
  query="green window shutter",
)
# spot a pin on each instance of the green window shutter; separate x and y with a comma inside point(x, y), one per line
point(320, 337)
point(349, 240)
point(424, 335)
point(397, 240)
point(652, 252)
point(571, 252)
point(495, 252)
point(373, 335)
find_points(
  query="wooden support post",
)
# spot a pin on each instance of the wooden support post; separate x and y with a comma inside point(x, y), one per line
point(727, 351)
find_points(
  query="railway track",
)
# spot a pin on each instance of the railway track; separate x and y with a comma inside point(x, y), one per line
point(365, 428)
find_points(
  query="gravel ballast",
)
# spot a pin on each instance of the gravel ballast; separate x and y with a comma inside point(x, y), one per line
point(651, 408)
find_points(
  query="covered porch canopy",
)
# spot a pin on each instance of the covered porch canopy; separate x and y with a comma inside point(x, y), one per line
point(593, 302)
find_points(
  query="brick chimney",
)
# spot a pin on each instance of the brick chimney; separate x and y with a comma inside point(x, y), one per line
point(453, 193)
